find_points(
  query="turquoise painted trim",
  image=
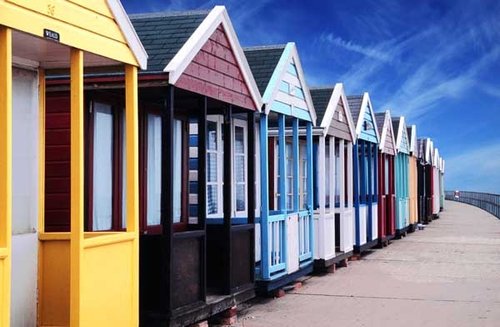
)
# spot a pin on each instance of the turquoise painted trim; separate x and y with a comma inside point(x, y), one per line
point(285, 87)
point(305, 256)
point(277, 267)
point(302, 114)
point(281, 108)
point(292, 69)
point(356, 191)
point(264, 191)
point(275, 218)
point(299, 93)
point(281, 181)
point(296, 160)
point(275, 77)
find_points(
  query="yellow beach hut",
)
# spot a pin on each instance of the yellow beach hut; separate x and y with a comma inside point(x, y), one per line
point(72, 278)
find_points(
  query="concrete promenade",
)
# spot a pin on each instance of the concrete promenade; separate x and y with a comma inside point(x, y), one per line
point(445, 275)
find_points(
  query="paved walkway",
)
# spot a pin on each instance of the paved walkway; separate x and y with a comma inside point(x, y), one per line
point(445, 275)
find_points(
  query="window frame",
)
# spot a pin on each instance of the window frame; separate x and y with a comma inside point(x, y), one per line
point(118, 113)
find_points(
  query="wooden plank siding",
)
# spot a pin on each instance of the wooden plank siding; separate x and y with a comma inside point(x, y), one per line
point(214, 72)
point(57, 164)
point(368, 134)
point(388, 145)
point(338, 125)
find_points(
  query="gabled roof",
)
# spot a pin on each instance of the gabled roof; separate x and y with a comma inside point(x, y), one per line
point(164, 34)
point(424, 149)
point(412, 138)
point(435, 158)
point(384, 122)
point(358, 104)
point(174, 39)
point(261, 60)
point(325, 103)
point(399, 126)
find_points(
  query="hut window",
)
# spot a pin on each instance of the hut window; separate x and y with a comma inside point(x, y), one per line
point(106, 173)
point(240, 166)
point(153, 169)
point(328, 173)
point(337, 174)
point(102, 209)
point(214, 166)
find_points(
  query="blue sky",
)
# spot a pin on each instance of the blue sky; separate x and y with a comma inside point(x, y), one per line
point(435, 62)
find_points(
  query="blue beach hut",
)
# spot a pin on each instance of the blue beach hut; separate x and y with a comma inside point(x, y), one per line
point(284, 230)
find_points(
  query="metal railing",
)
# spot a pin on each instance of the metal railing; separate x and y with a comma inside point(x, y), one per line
point(486, 201)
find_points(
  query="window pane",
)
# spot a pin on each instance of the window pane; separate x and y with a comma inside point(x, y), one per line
point(212, 167)
point(211, 199)
point(177, 180)
point(239, 140)
point(240, 197)
point(212, 135)
point(239, 169)
point(153, 170)
point(327, 173)
point(102, 167)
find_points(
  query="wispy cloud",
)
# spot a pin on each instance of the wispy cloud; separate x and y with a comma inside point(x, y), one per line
point(371, 52)
point(475, 170)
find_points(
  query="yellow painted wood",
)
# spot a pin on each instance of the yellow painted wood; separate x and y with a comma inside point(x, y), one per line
point(72, 31)
point(98, 6)
point(5, 172)
point(103, 240)
point(77, 166)
point(70, 13)
point(41, 149)
point(54, 279)
point(132, 179)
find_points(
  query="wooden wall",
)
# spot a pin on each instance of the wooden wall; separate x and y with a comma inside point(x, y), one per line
point(339, 126)
point(214, 72)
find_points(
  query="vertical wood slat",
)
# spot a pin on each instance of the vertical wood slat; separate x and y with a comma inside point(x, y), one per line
point(310, 200)
point(132, 178)
point(5, 169)
point(356, 191)
point(369, 193)
point(296, 161)
point(251, 184)
point(281, 183)
point(227, 194)
point(167, 199)
point(322, 193)
point(77, 191)
point(41, 151)
point(264, 192)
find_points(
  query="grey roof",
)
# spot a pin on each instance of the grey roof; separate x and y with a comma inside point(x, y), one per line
point(395, 125)
point(380, 119)
point(263, 61)
point(321, 98)
point(163, 34)
point(355, 102)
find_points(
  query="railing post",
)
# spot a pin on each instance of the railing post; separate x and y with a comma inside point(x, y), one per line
point(264, 192)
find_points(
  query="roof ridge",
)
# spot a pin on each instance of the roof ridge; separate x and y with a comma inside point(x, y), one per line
point(168, 14)
point(265, 47)
point(325, 87)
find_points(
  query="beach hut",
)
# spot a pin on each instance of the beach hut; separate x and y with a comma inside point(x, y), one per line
point(365, 160)
point(386, 185)
point(284, 232)
point(333, 185)
point(412, 175)
point(402, 176)
point(436, 199)
point(424, 178)
point(73, 276)
point(197, 106)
